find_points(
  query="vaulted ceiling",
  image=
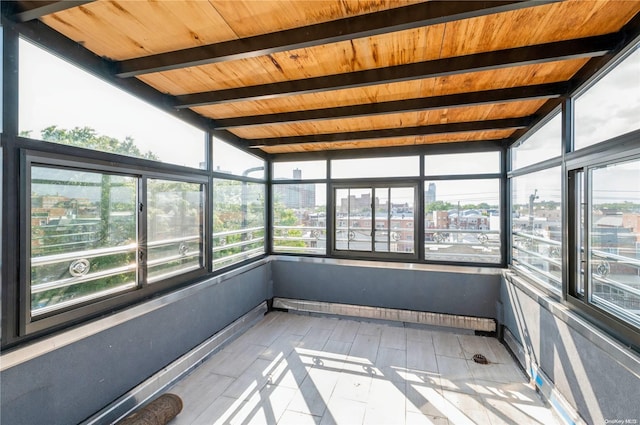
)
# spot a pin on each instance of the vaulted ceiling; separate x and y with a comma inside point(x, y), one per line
point(297, 76)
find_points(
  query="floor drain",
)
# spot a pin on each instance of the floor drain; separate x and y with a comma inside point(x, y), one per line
point(479, 358)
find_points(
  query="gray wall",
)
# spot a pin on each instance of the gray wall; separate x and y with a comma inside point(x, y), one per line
point(69, 384)
point(595, 374)
point(395, 286)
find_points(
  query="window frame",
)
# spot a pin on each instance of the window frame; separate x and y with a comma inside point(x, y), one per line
point(372, 184)
point(265, 219)
point(29, 325)
point(617, 150)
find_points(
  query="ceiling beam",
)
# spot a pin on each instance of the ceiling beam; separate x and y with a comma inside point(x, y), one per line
point(541, 53)
point(390, 133)
point(371, 24)
point(541, 91)
point(587, 75)
point(44, 8)
point(54, 42)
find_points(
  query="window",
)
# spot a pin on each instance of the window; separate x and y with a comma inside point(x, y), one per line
point(474, 163)
point(375, 219)
point(462, 220)
point(174, 228)
point(300, 170)
point(401, 166)
point(299, 218)
point(536, 226)
point(606, 238)
point(611, 107)
point(238, 221)
point(542, 145)
point(84, 242)
point(230, 160)
point(60, 103)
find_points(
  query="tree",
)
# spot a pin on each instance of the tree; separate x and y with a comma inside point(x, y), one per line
point(87, 137)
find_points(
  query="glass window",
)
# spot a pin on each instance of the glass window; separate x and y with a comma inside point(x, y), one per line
point(300, 218)
point(238, 221)
point(462, 220)
point(537, 226)
point(611, 107)
point(60, 103)
point(174, 228)
point(83, 236)
point(375, 219)
point(462, 163)
point(231, 160)
point(546, 143)
point(300, 170)
point(402, 166)
point(614, 239)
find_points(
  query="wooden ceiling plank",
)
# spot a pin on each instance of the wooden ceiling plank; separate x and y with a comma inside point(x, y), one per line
point(541, 53)
point(410, 105)
point(44, 8)
point(631, 33)
point(491, 111)
point(372, 24)
point(508, 123)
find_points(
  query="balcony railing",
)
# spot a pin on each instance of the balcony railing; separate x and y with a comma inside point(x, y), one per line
point(233, 246)
point(61, 280)
point(615, 278)
point(468, 245)
point(300, 239)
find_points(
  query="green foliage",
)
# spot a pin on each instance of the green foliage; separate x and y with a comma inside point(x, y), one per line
point(438, 206)
point(86, 137)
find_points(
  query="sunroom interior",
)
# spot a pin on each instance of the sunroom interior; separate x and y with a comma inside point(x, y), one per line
point(329, 185)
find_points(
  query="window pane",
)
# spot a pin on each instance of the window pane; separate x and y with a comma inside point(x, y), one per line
point(612, 106)
point(404, 166)
point(174, 226)
point(394, 228)
point(462, 220)
point(60, 103)
point(83, 236)
point(238, 221)
point(614, 254)
point(299, 170)
point(231, 160)
point(536, 226)
point(390, 222)
point(299, 218)
point(462, 163)
point(353, 219)
point(546, 143)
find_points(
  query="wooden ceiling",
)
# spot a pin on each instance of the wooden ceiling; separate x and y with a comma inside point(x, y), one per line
point(298, 76)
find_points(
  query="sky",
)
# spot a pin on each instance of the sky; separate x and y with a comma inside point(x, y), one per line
point(53, 92)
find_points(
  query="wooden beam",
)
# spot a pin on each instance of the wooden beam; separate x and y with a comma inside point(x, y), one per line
point(54, 42)
point(44, 8)
point(397, 132)
point(541, 91)
point(589, 73)
point(372, 24)
point(541, 53)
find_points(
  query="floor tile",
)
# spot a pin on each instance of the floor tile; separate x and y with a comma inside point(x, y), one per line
point(302, 369)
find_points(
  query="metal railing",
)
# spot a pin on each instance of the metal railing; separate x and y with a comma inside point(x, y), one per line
point(238, 251)
point(620, 296)
point(469, 245)
point(283, 241)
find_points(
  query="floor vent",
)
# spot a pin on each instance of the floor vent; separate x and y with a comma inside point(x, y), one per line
point(480, 359)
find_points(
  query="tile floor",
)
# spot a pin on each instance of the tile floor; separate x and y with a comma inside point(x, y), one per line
point(299, 369)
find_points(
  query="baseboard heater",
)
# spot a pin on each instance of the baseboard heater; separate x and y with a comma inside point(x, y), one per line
point(391, 314)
